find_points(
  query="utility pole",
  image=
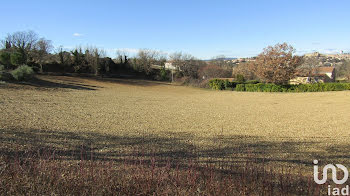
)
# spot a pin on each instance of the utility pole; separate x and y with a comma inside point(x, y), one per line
point(172, 75)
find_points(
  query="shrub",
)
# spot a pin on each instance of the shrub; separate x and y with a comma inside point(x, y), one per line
point(255, 88)
point(318, 87)
point(229, 85)
point(252, 82)
point(335, 86)
point(234, 84)
point(17, 58)
point(5, 58)
point(301, 88)
point(274, 88)
point(23, 72)
point(250, 87)
point(347, 86)
point(217, 84)
point(162, 74)
point(268, 87)
point(1, 69)
point(240, 87)
point(4, 76)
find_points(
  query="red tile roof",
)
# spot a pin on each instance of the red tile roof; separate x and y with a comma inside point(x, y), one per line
point(325, 69)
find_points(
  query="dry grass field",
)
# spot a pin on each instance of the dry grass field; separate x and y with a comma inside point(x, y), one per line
point(114, 117)
point(277, 126)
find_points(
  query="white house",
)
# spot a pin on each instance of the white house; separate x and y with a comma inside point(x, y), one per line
point(319, 75)
point(169, 66)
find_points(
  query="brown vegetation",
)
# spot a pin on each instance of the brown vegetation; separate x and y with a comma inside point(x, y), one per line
point(42, 173)
point(277, 64)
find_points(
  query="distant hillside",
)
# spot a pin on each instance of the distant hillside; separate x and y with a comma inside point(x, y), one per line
point(342, 56)
point(221, 59)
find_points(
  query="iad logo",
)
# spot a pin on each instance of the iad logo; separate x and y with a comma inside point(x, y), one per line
point(335, 190)
point(334, 173)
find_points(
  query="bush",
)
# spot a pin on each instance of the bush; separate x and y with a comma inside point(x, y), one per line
point(240, 87)
point(23, 72)
point(252, 86)
point(234, 84)
point(5, 58)
point(4, 76)
point(272, 88)
point(336, 86)
point(230, 85)
point(318, 87)
point(249, 88)
point(163, 74)
point(1, 71)
point(252, 82)
point(217, 84)
point(17, 58)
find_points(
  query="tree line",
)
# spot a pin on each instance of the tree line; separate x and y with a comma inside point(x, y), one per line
point(275, 64)
point(26, 48)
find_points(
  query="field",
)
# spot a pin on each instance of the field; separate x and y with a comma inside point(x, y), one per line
point(113, 119)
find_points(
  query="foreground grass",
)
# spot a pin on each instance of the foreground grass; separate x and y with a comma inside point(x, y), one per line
point(117, 119)
point(41, 174)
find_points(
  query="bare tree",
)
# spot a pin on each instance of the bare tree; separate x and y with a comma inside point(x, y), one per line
point(41, 51)
point(246, 69)
point(93, 56)
point(145, 59)
point(214, 71)
point(25, 40)
point(22, 41)
point(122, 56)
point(277, 64)
point(186, 63)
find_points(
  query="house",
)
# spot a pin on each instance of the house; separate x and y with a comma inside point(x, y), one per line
point(328, 71)
point(318, 75)
point(167, 66)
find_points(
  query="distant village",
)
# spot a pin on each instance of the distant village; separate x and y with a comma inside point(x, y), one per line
point(324, 59)
point(316, 67)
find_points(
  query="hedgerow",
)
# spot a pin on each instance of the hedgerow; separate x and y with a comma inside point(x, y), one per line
point(218, 84)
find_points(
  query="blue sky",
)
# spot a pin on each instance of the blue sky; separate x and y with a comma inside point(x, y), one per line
point(202, 28)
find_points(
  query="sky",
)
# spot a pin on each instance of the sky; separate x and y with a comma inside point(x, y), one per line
point(205, 29)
